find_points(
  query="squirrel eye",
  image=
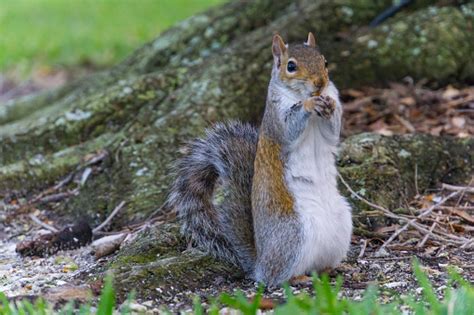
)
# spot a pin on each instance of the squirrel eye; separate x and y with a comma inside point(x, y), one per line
point(291, 67)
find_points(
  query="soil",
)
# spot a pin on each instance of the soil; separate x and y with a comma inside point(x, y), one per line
point(62, 274)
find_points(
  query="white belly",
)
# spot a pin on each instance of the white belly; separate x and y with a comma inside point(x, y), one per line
point(325, 215)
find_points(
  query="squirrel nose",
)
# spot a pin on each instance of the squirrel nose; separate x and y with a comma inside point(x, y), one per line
point(318, 87)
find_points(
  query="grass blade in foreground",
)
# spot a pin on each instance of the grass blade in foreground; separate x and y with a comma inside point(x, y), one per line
point(458, 299)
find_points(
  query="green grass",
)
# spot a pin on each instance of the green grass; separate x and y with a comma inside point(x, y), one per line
point(36, 33)
point(458, 299)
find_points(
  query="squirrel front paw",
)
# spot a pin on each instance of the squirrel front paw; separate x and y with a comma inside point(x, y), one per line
point(324, 106)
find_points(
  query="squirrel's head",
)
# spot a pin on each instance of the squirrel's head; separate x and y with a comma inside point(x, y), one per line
point(300, 67)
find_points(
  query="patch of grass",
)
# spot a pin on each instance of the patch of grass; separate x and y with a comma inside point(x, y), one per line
point(458, 299)
point(102, 32)
point(107, 299)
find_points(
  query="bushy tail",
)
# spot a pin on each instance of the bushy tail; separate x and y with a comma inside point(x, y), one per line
point(222, 159)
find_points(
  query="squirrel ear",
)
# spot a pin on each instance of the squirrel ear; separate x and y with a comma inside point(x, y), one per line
point(278, 46)
point(311, 41)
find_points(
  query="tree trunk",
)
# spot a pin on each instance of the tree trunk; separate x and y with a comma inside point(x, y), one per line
point(216, 66)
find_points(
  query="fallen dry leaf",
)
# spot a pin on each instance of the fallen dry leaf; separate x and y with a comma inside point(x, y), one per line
point(466, 216)
point(68, 293)
point(450, 93)
point(408, 108)
point(266, 304)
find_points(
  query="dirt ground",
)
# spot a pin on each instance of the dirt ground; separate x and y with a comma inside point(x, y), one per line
point(59, 277)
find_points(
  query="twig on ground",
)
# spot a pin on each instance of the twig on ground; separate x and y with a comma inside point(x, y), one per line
point(109, 218)
point(408, 125)
point(422, 243)
point(416, 180)
point(460, 101)
point(437, 235)
point(390, 258)
point(137, 227)
point(460, 207)
point(43, 224)
point(157, 211)
point(421, 215)
point(58, 197)
point(462, 194)
point(65, 181)
point(468, 244)
point(373, 205)
point(45, 195)
point(362, 249)
point(458, 188)
point(97, 158)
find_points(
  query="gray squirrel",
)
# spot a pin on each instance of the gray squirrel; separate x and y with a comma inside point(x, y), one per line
point(282, 215)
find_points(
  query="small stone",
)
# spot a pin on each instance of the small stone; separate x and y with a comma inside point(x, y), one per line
point(392, 285)
point(458, 122)
point(382, 252)
point(219, 280)
point(134, 307)
point(148, 303)
point(375, 267)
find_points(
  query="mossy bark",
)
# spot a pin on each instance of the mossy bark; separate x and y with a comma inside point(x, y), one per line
point(390, 171)
point(216, 66)
point(432, 43)
point(385, 170)
point(158, 265)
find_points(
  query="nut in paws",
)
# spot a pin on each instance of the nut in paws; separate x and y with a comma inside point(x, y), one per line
point(324, 106)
